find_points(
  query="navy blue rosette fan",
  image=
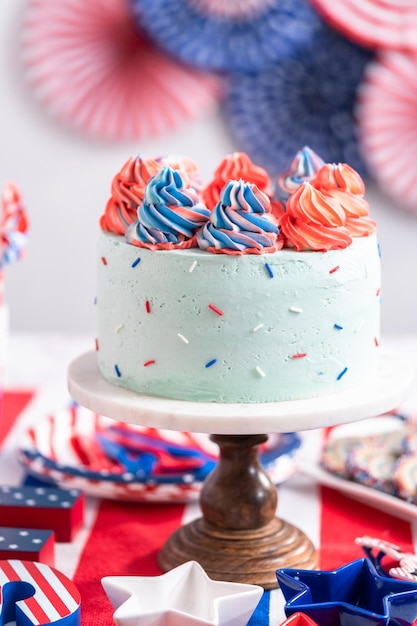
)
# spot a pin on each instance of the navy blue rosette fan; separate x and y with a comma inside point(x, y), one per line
point(227, 35)
point(308, 98)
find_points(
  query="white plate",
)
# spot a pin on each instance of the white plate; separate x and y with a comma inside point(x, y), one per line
point(372, 497)
point(63, 449)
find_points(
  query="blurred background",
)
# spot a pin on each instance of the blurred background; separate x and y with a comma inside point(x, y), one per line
point(85, 85)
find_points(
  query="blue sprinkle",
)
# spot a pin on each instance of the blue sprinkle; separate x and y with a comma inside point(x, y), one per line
point(342, 373)
point(95, 300)
point(210, 363)
point(269, 270)
point(379, 251)
point(136, 262)
point(338, 327)
point(116, 367)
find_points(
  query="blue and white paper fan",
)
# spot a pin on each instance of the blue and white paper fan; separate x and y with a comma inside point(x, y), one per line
point(308, 98)
point(227, 35)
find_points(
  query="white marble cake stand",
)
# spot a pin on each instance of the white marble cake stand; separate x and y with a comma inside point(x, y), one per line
point(239, 538)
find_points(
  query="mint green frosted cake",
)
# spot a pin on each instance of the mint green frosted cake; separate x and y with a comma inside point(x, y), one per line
point(236, 297)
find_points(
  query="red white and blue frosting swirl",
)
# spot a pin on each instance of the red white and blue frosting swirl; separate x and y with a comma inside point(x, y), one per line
point(169, 215)
point(304, 166)
point(241, 222)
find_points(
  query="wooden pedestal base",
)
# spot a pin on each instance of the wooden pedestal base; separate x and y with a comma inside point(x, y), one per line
point(240, 556)
point(239, 539)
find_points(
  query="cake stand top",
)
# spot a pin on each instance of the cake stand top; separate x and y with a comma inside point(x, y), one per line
point(88, 387)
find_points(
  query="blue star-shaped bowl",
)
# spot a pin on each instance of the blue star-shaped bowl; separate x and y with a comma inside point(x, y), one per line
point(353, 595)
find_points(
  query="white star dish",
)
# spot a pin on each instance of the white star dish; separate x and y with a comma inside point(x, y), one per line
point(184, 596)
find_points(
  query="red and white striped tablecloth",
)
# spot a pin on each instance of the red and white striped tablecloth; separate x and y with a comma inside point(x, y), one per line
point(124, 538)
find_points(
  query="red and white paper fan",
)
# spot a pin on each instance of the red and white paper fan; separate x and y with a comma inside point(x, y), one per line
point(387, 122)
point(374, 23)
point(93, 69)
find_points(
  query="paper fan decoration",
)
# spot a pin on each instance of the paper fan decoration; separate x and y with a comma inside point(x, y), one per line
point(374, 23)
point(306, 99)
point(387, 118)
point(227, 34)
point(91, 68)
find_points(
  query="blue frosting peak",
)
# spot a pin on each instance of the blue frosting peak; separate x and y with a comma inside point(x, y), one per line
point(240, 222)
point(171, 212)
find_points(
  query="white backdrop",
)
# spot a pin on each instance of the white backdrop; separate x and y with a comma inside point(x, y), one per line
point(65, 180)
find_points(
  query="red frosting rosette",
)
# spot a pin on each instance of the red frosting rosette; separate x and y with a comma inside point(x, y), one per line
point(313, 220)
point(326, 212)
point(128, 188)
point(236, 166)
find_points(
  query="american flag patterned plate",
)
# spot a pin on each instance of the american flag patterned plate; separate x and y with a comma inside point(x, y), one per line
point(76, 448)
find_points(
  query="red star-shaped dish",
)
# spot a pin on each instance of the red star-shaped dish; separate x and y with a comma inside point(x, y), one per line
point(354, 594)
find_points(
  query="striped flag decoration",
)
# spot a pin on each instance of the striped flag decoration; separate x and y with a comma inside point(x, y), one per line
point(46, 597)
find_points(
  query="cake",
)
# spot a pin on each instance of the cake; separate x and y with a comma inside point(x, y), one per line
point(239, 291)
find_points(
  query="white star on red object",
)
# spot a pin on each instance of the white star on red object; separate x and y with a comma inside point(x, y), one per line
point(184, 596)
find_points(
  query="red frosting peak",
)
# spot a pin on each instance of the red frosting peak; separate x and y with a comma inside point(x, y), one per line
point(127, 192)
point(338, 176)
point(236, 166)
point(314, 220)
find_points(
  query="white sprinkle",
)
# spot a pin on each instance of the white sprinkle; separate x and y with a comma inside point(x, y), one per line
point(192, 266)
point(359, 326)
point(258, 327)
point(366, 271)
point(184, 339)
point(260, 372)
point(119, 327)
point(295, 309)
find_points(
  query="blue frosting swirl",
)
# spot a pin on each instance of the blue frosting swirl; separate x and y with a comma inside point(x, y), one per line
point(240, 222)
point(170, 213)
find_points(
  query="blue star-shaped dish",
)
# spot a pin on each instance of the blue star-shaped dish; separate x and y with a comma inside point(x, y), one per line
point(353, 595)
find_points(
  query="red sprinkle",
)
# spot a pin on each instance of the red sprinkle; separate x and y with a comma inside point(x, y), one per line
point(148, 363)
point(96, 342)
point(376, 342)
point(104, 260)
point(334, 269)
point(148, 306)
point(215, 309)
point(378, 291)
point(299, 355)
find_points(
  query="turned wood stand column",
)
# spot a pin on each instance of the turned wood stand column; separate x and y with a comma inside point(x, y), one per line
point(239, 538)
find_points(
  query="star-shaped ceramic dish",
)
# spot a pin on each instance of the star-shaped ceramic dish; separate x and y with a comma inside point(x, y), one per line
point(354, 594)
point(184, 596)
